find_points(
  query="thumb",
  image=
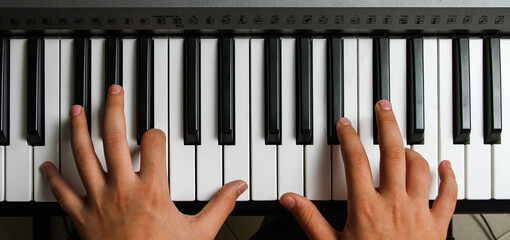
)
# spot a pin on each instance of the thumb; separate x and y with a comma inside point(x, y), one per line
point(307, 215)
point(219, 207)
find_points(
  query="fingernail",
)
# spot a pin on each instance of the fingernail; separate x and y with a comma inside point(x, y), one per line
point(288, 202)
point(114, 89)
point(242, 187)
point(45, 167)
point(344, 121)
point(385, 104)
point(75, 110)
point(448, 163)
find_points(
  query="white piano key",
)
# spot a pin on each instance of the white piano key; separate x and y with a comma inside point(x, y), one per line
point(237, 157)
point(350, 101)
point(478, 155)
point(182, 157)
point(161, 88)
point(67, 166)
point(98, 98)
point(129, 75)
point(447, 150)
point(18, 155)
point(366, 107)
point(318, 155)
point(263, 157)
point(2, 173)
point(290, 155)
point(429, 148)
point(501, 165)
point(209, 153)
point(50, 150)
point(398, 80)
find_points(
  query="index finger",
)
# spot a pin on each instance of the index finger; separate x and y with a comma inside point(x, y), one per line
point(117, 155)
point(391, 146)
point(357, 169)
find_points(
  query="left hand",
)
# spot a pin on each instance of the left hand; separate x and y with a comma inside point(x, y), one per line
point(123, 204)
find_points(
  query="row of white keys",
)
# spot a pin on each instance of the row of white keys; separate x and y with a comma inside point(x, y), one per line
point(50, 150)
point(182, 157)
point(366, 107)
point(161, 88)
point(129, 74)
point(350, 102)
point(236, 158)
point(209, 153)
point(477, 154)
point(429, 148)
point(18, 155)
point(263, 157)
point(398, 80)
point(318, 155)
point(500, 152)
point(290, 155)
point(447, 150)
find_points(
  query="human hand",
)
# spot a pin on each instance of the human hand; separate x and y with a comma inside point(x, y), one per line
point(399, 207)
point(122, 204)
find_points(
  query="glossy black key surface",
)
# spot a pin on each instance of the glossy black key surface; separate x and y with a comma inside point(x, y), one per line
point(4, 91)
point(461, 95)
point(273, 92)
point(226, 120)
point(192, 91)
point(35, 92)
point(145, 87)
point(415, 92)
point(335, 87)
point(82, 83)
point(381, 77)
point(492, 118)
point(113, 62)
point(304, 96)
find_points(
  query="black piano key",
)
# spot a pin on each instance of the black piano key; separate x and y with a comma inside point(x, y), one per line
point(35, 92)
point(4, 91)
point(492, 119)
point(113, 62)
point(335, 87)
point(304, 109)
point(192, 91)
point(273, 91)
point(226, 121)
point(381, 77)
point(415, 92)
point(461, 95)
point(145, 88)
point(82, 93)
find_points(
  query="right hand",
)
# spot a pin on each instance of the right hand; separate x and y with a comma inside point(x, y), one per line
point(399, 207)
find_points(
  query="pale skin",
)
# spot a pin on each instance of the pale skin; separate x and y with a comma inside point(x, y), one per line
point(399, 207)
point(122, 204)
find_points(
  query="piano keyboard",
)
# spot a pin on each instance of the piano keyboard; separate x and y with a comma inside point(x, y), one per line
point(258, 109)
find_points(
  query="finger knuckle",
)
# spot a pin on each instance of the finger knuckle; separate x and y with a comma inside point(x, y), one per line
point(366, 208)
point(420, 165)
point(394, 152)
point(114, 138)
point(356, 158)
point(225, 200)
point(386, 120)
point(305, 215)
